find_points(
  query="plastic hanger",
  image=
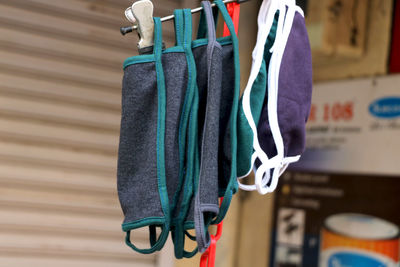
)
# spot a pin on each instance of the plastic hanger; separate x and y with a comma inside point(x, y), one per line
point(208, 257)
point(234, 12)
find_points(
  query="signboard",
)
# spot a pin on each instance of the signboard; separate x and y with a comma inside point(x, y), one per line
point(354, 127)
point(339, 205)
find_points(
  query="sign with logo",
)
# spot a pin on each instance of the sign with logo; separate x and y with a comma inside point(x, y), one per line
point(354, 126)
point(387, 107)
point(339, 205)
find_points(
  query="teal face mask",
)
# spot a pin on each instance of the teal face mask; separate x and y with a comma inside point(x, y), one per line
point(255, 94)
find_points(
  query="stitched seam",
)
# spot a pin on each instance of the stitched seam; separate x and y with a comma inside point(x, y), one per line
point(142, 222)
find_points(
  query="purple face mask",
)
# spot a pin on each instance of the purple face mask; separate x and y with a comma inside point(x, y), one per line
point(281, 130)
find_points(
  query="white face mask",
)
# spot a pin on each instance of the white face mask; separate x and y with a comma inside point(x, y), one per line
point(265, 179)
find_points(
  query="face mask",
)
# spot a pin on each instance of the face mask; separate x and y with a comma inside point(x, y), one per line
point(289, 98)
point(200, 186)
point(282, 121)
point(227, 158)
point(206, 196)
point(254, 94)
point(141, 157)
point(158, 92)
point(218, 85)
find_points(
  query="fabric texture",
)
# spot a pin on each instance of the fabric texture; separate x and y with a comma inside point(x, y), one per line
point(294, 96)
point(134, 127)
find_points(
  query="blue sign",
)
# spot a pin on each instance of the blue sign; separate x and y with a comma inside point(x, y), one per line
point(387, 107)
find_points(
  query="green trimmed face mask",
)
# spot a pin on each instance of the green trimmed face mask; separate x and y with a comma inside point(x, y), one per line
point(188, 130)
point(141, 158)
point(216, 82)
point(227, 153)
point(158, 91)
point(254, 98)
point(178, 140)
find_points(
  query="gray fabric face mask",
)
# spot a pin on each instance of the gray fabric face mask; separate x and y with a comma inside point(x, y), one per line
point(227, 155)
point(177, 81)
point(166, 178)
point(206, 194)
point(189, 129)
point(203, 132)
point(204, 183)
point(141, 158)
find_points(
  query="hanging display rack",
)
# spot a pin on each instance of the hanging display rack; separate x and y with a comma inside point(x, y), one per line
point(128, 29)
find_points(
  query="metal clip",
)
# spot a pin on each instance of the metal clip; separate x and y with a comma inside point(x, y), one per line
point(141, 13)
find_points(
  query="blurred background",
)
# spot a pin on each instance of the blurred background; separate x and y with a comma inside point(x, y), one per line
point(60, 94)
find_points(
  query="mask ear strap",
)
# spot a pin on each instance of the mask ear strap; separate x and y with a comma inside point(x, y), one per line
point(272, 103)
point(184, 113)
point(179, 30)
point(262, 175)
point(156, 244)
point(202, 30)
point(245, 186)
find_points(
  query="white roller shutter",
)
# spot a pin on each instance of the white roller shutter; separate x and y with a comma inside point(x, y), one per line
point(60, 94)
